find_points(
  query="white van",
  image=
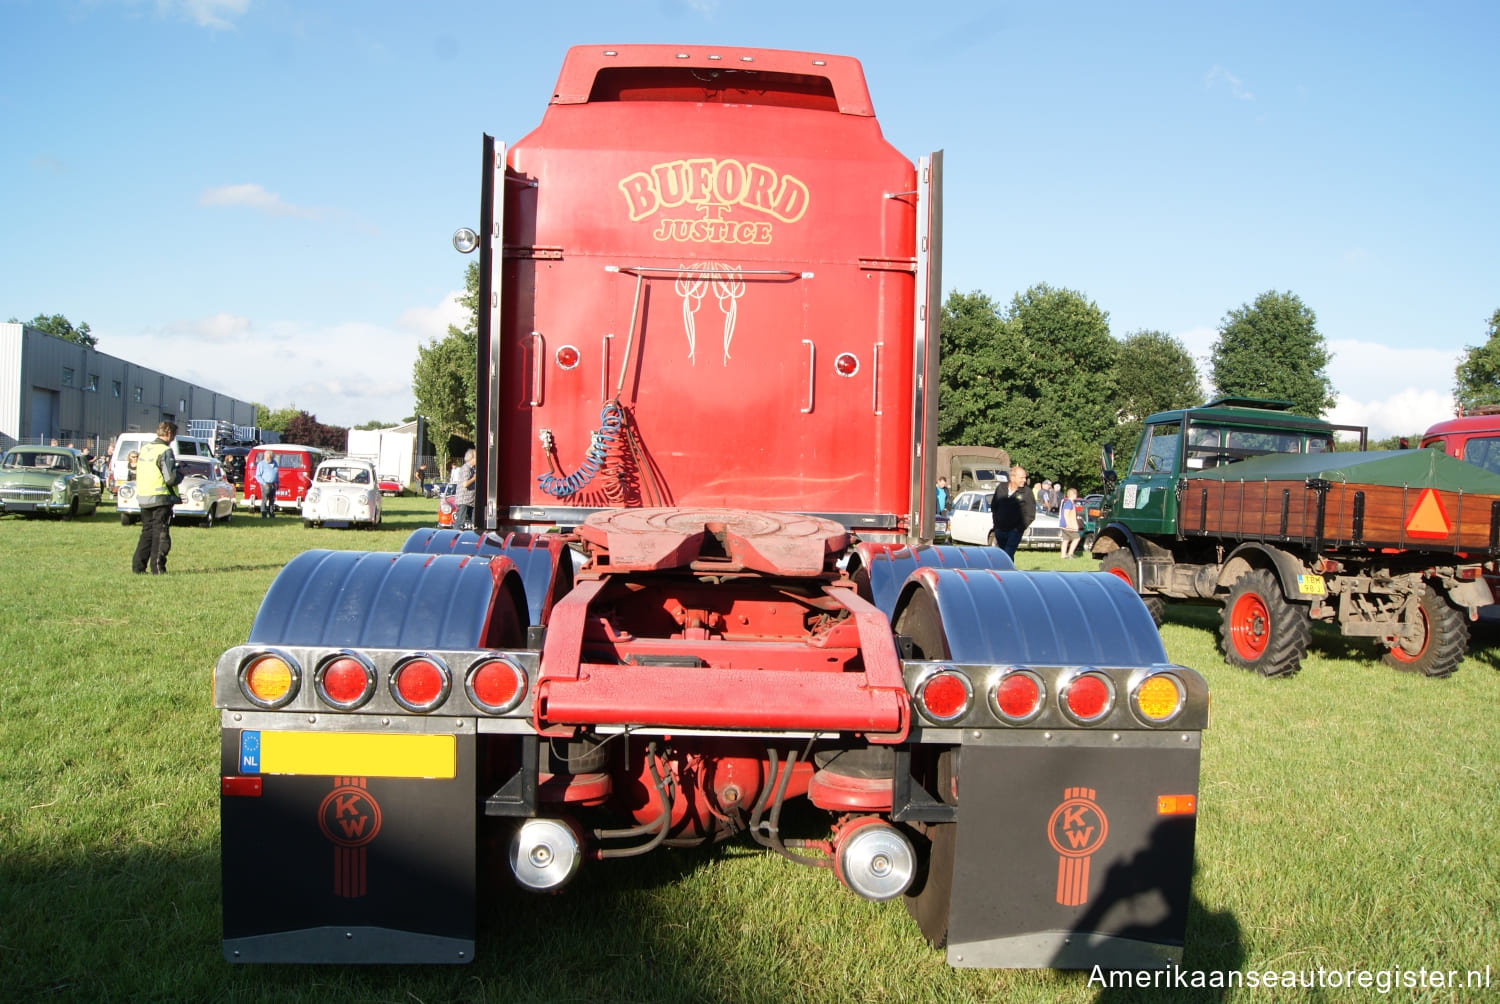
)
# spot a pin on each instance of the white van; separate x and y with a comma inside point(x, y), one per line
point(119, 464)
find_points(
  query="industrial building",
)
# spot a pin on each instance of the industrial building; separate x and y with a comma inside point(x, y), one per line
point(51, 388)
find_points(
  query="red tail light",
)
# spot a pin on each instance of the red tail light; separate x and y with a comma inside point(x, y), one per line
point(496, 685)
point(1018, 696)
point(345, 681)
point(1088, 697)
point(420, 683)
point(945, 696)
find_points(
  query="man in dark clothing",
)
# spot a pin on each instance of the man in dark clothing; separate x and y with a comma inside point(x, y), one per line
point(1012, 510)
point(156, 481)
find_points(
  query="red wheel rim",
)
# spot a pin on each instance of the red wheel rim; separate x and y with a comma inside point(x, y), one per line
point(1402, 655)
point(1249, 626)
point(1123, 576)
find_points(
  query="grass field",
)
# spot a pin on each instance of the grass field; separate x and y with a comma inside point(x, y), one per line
point(1349, 819)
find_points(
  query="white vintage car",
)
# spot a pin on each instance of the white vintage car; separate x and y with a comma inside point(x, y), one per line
point(207, 495)
point(343, 493)
point(969, 522)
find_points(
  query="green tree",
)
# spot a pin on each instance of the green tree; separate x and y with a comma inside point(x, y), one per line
point(1272, 349)
point(444, 377)
point(61, 327)
point(1037, 379)
point(275, 421)
point(1156, 373)
point(1476, 379)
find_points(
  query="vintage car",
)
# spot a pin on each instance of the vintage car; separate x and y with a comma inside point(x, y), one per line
point(47, 480)
point(447, 507)
point(390, 484)
point(969, 522)
point(206, 493)
point(343, 493)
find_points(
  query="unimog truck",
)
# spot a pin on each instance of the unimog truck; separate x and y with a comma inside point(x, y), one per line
point(1243, 503)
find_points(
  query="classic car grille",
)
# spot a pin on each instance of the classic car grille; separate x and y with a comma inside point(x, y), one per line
point(340, 506)
point(23, 494)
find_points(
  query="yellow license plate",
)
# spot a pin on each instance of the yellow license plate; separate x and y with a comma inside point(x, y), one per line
point(1311, 585)
point(357, 754)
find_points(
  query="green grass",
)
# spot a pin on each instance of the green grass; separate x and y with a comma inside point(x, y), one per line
point(1348, 819)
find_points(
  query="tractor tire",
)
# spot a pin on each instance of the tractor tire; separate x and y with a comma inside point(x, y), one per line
point(1261, 629)
point(1444, 639)
point(929, 899)
point(1121, 564)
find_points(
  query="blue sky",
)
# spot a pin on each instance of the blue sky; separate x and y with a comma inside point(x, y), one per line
point(258, 194)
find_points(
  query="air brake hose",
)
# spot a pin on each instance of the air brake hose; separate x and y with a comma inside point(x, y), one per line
point(611, 420)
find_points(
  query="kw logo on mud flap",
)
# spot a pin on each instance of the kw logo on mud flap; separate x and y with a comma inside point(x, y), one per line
point(714, 189)
point(1076, 830)
point(350, 818)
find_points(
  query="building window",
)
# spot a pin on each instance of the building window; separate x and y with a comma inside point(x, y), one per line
point(67, 377)
point(114, 385)
point(93, 383)
point(137, 393)
point(182, 404)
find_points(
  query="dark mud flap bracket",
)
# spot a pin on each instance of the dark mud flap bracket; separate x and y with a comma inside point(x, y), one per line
point(354, 844)
point(1074, 849)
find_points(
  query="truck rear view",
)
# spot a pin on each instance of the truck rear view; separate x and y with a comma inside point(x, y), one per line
point(708, 341)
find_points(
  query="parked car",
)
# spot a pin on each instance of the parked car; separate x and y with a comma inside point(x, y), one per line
point(125, 442)
point(343, 493)
point(294, 475)
point(447, 507)
point(1088, 522)
point(390, 484)
point(47, 480)
point(206, 492)
point(969, 522)
point(940, 528)
point(233, 458)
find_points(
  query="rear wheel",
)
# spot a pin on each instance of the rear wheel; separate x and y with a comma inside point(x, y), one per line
point(1438, 641)
point(1121, 564)
point(928, 904)
point(1261, 629)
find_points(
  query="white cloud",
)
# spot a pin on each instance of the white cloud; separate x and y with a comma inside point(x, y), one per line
point(257, 198)
point(345, 374)
point(432, 322)
point(1394, 391)
point(213, 14)
point(1219, 75)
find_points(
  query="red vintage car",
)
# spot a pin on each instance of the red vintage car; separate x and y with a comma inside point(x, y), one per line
point(390, 484)
point(446, 505)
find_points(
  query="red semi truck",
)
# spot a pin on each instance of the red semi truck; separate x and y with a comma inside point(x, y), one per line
point(703, 589)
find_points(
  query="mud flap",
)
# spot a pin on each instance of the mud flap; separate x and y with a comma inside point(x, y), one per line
point(346, 868)
point(1074, 851)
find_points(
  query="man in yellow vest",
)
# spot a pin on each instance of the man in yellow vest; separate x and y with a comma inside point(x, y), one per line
point(156, 478)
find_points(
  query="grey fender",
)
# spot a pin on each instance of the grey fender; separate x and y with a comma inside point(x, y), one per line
point(384, 600)
point(1254, 555)
point(1039, 618)
point(884, 570)
point(541, 560)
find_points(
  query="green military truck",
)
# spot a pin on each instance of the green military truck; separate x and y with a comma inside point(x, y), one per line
point(1242, 503)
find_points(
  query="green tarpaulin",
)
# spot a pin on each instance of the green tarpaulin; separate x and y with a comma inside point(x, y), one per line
point(1394, 468)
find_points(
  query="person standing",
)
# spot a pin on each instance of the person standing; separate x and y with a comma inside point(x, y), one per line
point(268, 474)
point(1012, 510)
point(463, 498)
point(942, 494)
point(1067, 518)
point(156, 477)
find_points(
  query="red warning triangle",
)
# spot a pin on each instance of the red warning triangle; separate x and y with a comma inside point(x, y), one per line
point(1428, 518)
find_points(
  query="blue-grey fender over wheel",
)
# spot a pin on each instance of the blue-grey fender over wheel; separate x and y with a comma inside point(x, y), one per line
point(1037, 618)
point(383, 600)
point(882, 571)
point(541, 560)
